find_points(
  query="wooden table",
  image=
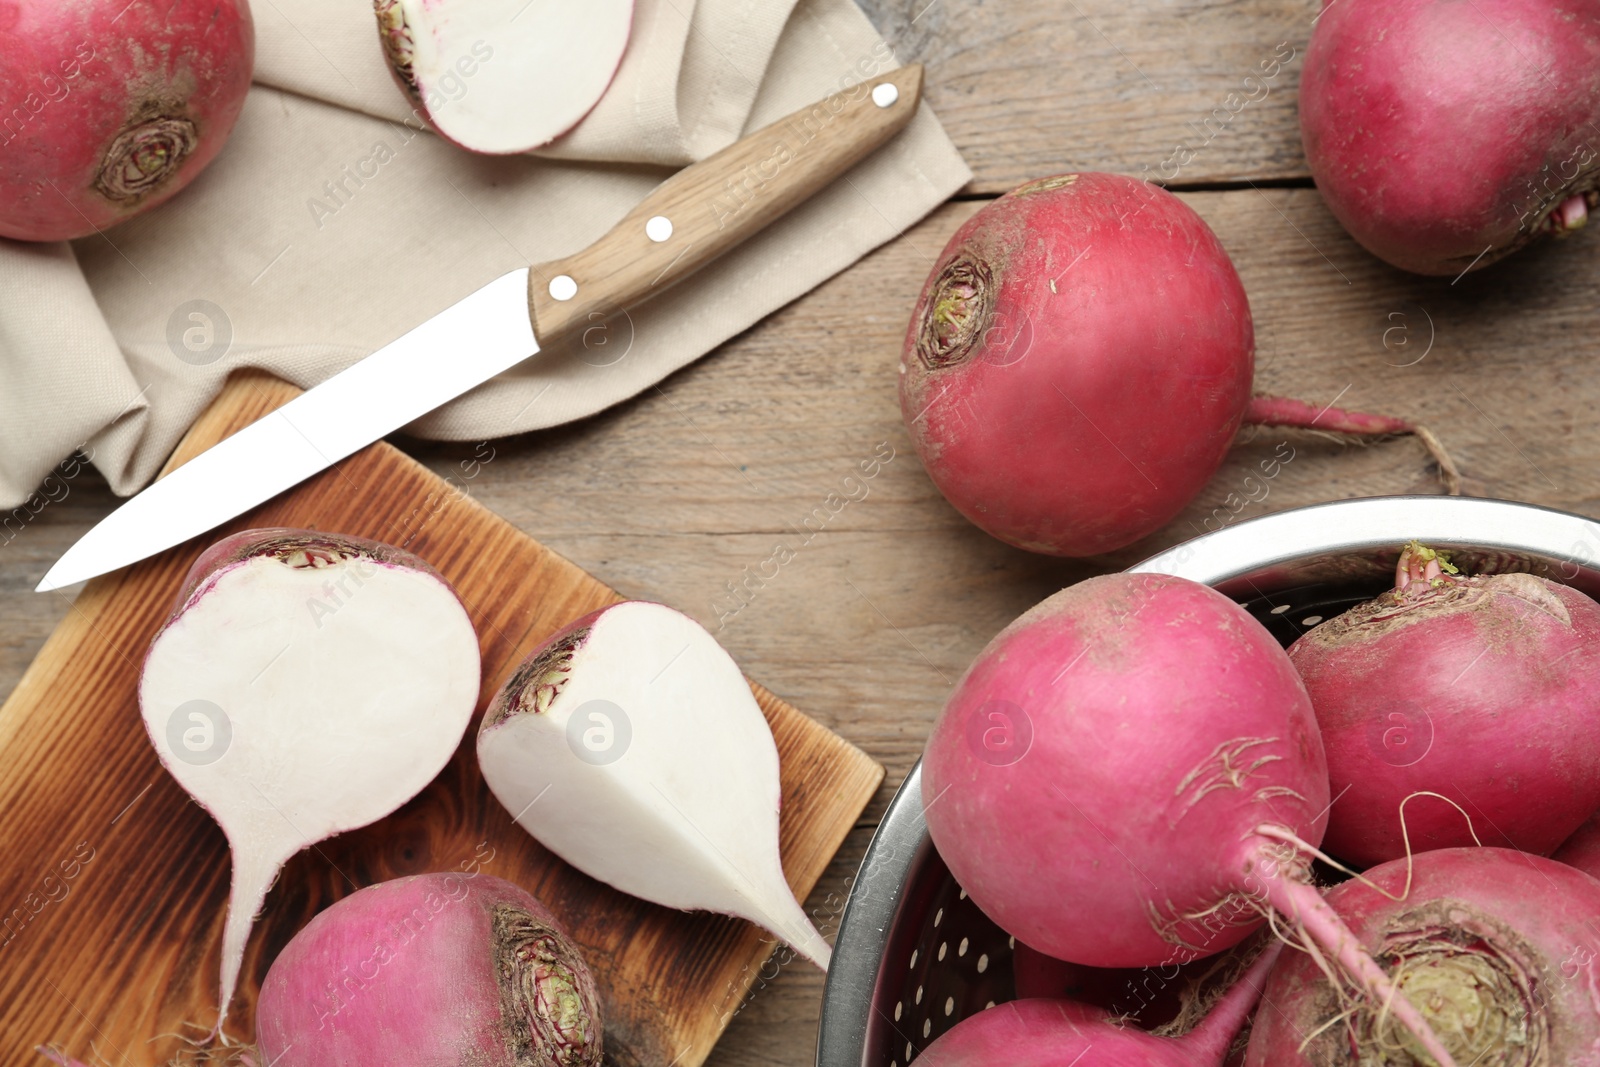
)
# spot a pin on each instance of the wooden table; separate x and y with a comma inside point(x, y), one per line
point(672, 495)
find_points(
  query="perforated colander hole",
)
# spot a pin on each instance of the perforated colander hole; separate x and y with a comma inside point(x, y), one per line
point(938, 917)
point(944, 947)
point(908, 1052)
point(919, 994)
point(1310, 620)
point(899, 1006)
point(989, 1005)
point(949, 1005)
point(983, 963)
point(961, 949)
point(963, 895)
point(927, 1027)
point(914, 958)
point(1011, 942)
point(1280, 609)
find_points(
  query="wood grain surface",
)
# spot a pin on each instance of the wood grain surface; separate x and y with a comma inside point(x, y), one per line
point(115, 941)
point(688, 487)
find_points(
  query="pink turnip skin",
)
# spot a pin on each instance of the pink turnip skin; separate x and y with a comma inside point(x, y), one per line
point(1582, 849)
point(1485, 690)
point(1125, 774)
point(1446, 135)
point(1166, 725)
point(1496, 942)
point(1064, 1033)
point(1024, 347)
point(435, 970)
point(1080, 361)
point(109, 108)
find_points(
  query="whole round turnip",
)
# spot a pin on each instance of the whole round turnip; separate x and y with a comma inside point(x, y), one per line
point(1483, 690)
point(1080, 361)
point(1498, 949)
point(1130, 774)
point(1446, 135)
point(430, 970)
point(108, 108)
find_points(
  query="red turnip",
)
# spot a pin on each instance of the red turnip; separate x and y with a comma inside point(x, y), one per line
point(631, 745)
point(1064, 1033)
point(1446, 135)
point(1129, 775)
point(1582, 849)
point(503, 75)
point(1484, 690)
point(307, 684)
point(1497, 948)
point(1080, 361)
point(107, 107)
point(427, 971)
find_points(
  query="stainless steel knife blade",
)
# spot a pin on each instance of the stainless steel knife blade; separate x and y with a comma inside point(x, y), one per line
point(461, 347)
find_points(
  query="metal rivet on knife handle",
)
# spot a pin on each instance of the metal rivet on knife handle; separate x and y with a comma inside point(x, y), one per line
point(715, 204)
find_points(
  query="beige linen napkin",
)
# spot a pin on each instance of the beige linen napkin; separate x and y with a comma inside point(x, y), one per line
point(328, 227)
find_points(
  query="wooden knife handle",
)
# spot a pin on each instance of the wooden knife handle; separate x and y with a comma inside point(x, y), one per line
point(713, 205)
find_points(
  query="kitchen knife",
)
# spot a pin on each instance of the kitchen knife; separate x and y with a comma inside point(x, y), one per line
point(687, 221)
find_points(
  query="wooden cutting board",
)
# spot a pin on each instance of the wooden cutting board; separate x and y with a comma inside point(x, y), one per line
point(113, 884)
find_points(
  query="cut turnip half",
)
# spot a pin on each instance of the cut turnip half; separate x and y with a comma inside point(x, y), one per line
point(502, 76)
point(631, 746)
point(308, 684)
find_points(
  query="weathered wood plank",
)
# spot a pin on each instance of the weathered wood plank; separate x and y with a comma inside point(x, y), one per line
point(1030, 89)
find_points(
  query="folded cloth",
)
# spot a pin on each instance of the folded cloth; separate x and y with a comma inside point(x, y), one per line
point(329, 226)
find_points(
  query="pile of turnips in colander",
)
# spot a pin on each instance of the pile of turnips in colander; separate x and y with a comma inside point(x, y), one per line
point(1136, 774)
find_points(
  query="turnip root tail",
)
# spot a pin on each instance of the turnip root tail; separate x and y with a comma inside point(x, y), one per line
point(1297, 414)
point(256, 862)
point(1221, 1025)
point(1321, 925)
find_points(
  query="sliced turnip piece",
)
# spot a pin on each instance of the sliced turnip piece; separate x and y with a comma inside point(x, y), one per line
point(631, 746)
point(502, 76)
point(307, 684)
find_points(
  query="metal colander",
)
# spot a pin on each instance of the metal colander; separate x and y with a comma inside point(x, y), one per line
point(915, 956)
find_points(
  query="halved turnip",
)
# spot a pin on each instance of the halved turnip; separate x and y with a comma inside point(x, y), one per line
point(307, 684)
point(632, 747)
point(502, 76)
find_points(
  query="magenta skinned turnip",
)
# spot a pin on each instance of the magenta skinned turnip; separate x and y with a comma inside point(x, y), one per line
point(111, 108)
point(430, 970)
point(1482, 690)
point(1154, 782)
point(1079, 362)
point(1447, 135)
point(1497, 948)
